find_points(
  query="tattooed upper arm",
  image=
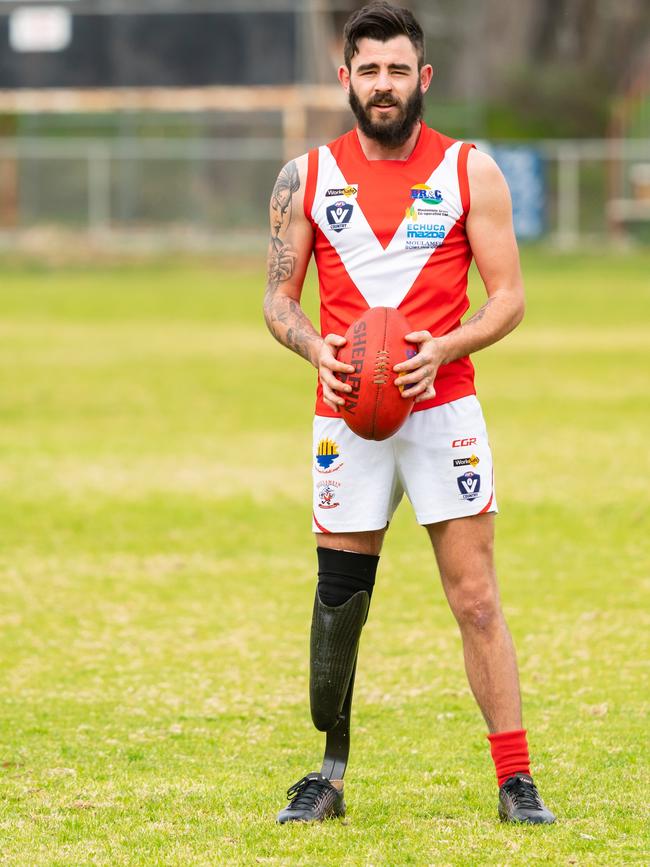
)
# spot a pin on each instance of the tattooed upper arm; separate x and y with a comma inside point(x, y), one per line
point(287, 184)
point(290, 246)
point(291, 237)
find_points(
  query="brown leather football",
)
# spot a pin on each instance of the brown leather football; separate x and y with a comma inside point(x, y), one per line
point(375, 408)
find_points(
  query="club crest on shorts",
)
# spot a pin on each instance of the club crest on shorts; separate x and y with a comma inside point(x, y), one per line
point(327, 494)
point(339, 215)
point(327, 457)
point(469, 485)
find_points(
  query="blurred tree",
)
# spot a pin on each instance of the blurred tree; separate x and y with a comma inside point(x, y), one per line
point(566, 61)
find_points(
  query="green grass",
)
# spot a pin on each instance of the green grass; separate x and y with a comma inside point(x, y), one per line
point(158, 574)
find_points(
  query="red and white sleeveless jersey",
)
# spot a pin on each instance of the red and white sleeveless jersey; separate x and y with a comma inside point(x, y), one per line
point(392, 233)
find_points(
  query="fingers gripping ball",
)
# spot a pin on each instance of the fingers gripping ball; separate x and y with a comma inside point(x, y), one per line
point(375, 408)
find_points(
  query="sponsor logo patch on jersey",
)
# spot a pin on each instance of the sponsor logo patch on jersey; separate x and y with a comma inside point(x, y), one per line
point(417, 213)
point(467, 462)
point(420, 235)
point(327, 455)
point(469, 485)
point(426, 194)
point(337, 192)
point(339, 215)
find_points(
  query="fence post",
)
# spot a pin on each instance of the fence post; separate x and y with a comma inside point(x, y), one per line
point(568, 196)
point(99, 187)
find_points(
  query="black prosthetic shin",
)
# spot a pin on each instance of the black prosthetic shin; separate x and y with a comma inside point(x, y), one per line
point(346, 578)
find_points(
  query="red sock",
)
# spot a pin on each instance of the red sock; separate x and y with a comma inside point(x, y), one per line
point(509, 754)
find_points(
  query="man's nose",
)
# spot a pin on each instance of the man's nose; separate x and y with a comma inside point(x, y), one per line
point(383, 81)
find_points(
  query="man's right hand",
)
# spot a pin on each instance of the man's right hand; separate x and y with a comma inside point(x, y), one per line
point(328, 365)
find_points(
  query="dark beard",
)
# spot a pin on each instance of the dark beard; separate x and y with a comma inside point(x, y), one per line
point(389, 133)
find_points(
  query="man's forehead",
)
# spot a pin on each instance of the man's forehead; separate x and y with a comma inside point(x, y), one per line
point(399, 50)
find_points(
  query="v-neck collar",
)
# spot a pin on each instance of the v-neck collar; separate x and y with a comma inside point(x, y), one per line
point(412, 157)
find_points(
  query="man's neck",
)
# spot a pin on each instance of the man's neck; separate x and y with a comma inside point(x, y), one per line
point(373, 150)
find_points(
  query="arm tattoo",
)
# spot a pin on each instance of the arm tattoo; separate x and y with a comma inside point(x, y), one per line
point(481, 312)
point(284, 316)
point(287, 184)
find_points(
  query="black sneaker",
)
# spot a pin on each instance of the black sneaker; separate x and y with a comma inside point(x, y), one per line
point(313, 799)
point(519, 801)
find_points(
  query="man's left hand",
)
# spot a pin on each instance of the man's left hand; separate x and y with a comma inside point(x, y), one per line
point(417, 375)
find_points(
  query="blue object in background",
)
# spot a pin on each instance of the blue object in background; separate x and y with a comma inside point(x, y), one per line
point(523, 168)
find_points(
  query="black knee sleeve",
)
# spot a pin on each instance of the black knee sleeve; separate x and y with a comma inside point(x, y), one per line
point(347, 580)
point(341, 574)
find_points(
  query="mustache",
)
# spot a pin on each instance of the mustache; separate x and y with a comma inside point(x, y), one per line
point(384, 99)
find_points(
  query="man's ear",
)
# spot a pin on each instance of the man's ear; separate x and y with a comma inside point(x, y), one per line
point(344, 77)
point(426, 74)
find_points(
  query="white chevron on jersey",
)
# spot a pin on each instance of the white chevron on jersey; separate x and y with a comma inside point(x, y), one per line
point(383, 276)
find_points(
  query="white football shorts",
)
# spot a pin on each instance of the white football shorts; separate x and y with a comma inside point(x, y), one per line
point(440, 458)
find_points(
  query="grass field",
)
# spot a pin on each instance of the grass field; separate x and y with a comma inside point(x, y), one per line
point(158, 574)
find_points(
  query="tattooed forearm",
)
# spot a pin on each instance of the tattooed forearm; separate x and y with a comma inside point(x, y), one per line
point(284, 316)
point(289, 325)
point(481, 312)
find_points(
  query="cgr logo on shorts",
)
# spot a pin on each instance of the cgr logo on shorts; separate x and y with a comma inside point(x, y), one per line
point(469, 485)
point(339, 215)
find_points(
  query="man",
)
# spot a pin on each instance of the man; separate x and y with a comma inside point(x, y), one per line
point(394, 212)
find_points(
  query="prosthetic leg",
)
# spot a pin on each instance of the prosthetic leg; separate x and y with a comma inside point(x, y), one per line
point(335, 634)
point(345, 583)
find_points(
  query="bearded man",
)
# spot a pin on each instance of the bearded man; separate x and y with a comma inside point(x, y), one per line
point(394, 212)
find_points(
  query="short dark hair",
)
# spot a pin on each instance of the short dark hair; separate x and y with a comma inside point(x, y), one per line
point(382, 21)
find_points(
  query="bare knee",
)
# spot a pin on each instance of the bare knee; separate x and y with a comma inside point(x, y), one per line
point(364, 542)
point(477, 609)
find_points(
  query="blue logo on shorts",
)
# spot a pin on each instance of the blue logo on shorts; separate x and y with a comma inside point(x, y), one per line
point(469, 485)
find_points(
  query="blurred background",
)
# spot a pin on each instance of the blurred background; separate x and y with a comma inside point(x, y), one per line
point(156, 562)
point(162, 123)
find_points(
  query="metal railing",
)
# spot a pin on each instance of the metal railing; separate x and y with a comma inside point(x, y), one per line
point(217, 189)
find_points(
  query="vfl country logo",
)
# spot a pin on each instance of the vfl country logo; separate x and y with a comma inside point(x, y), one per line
point(350, 190)
point(467, 462)
point(469, 485)
point(425, 194)
point(327, 495)
point(339, 215)
point(326, 454)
